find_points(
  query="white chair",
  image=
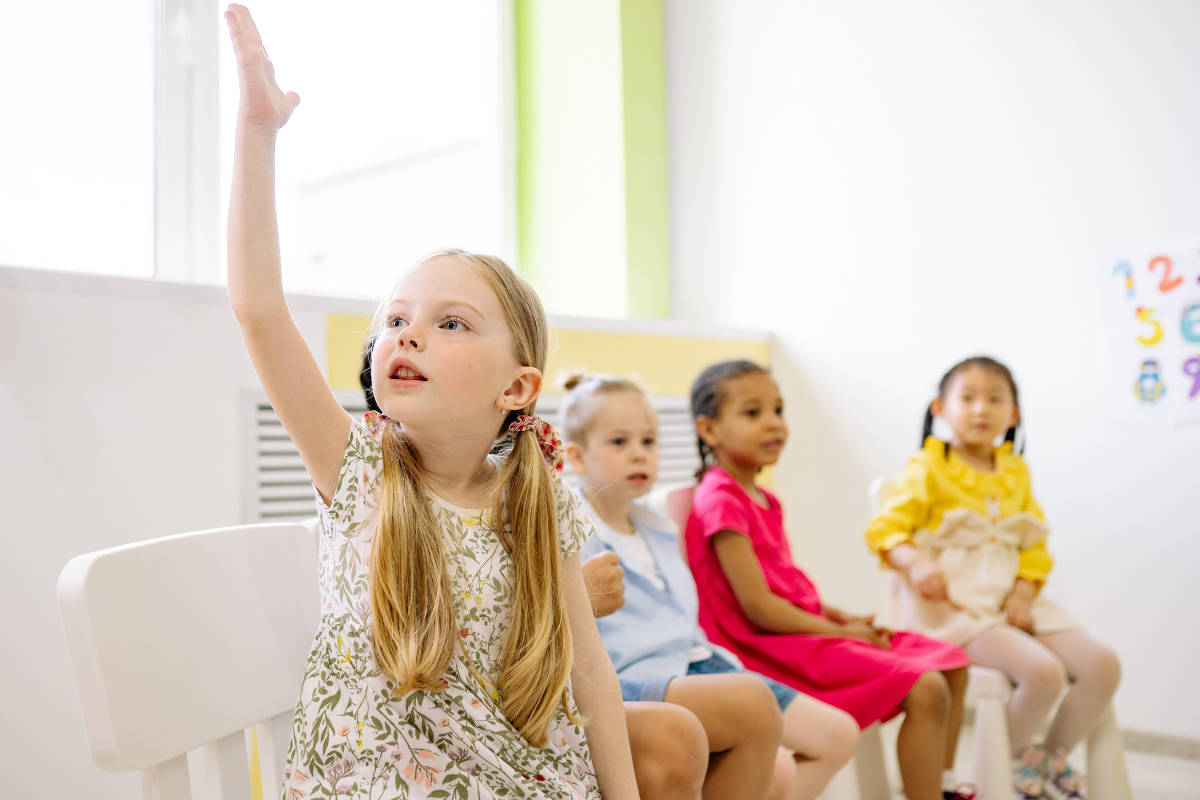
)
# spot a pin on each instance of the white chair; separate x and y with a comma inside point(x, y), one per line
point(989, 690)
point(182, 646)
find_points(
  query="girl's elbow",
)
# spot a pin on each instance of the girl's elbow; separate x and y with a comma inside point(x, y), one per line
point(757, 612)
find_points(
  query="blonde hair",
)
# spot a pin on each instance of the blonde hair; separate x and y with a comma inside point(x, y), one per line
point(412, 607)
point(578, 409)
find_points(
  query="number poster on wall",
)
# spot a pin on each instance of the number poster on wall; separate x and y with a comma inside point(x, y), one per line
point(1151, 319)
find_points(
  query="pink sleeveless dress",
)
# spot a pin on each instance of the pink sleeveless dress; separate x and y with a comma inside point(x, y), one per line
point(867, 682)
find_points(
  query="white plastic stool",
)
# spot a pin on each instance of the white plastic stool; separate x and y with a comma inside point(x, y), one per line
point(992, 757)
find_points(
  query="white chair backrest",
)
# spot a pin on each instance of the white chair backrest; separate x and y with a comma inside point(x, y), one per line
point(184, 642)
point(879, 492)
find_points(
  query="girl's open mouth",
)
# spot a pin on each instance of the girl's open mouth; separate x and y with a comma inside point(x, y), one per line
point(404, 371)
point(638, 478)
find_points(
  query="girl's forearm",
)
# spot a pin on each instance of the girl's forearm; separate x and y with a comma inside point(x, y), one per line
point(902, 556)
point(255, 280)
point(598, 695)
point(777, 615)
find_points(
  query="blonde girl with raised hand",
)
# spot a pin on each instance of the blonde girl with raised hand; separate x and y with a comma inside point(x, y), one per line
point(967, 542)
point(653, 637)
point(457, 655)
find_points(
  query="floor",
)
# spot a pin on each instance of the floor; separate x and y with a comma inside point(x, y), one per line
point(1153, 777)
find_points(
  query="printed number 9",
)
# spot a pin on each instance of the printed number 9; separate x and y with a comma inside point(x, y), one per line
point(1190, 324)
point(1192, 367)
point(1144, 315)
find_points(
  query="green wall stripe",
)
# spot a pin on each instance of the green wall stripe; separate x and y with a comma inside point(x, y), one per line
point(647, 219)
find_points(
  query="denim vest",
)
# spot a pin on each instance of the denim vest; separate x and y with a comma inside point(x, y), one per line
point(652, 635)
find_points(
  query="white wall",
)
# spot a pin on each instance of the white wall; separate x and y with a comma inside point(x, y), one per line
point(890, 187)
point(119, 421)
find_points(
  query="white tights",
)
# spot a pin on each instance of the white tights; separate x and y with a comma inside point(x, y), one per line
point(1040, 667)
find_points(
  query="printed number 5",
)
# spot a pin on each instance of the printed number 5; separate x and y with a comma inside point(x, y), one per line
point(1144, 315)
point(1189, 326)
point(1167, 283)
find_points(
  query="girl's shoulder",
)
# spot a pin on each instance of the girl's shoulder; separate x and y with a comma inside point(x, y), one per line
point(717, 486)
point(718, 490)
point(362, 467)
point(575, 525)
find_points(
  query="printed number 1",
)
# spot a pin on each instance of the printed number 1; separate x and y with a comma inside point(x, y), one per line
point(1192, 367)
point(1167, 283)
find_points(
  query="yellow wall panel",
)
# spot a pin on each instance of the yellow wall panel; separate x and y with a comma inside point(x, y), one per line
point(344, 343)
point(663, 364)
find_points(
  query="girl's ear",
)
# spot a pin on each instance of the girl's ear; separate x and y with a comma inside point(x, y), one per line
point(574, 452)
point(706, 430)
point(1016, 418)
point(936, 407)
point(524, 389)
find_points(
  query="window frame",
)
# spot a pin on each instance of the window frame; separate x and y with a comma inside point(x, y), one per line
point(187, 225)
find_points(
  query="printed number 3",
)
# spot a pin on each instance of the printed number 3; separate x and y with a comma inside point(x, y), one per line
point(1192, 367)
point(1144, 315)
point(1167, 283)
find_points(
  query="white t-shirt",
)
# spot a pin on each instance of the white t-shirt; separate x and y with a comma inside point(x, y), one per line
point(635, 543)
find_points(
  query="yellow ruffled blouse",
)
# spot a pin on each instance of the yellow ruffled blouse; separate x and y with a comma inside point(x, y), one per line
point(936, 480)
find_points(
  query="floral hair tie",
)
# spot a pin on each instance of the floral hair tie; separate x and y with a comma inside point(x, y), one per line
point(375, 424)
point(548, 438)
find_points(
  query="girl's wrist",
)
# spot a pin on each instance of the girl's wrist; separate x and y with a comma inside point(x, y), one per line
point(256, 132)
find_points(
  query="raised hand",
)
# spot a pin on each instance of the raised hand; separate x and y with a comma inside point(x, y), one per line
point(263, 106)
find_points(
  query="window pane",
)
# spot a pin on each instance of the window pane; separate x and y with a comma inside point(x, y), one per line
point(77, 170)
point(395, 149)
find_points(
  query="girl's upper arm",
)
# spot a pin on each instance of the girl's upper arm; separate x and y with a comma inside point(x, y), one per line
point(735, 553)
point(586, 637)
point(297, 390)
point(905, 511)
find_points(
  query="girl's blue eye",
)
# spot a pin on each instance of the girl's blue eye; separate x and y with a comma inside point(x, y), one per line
point(396, 322)
point(454, 325)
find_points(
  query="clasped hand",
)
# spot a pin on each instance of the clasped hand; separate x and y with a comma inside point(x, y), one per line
point(605, 581)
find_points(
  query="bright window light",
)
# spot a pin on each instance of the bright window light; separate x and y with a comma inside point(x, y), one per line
point(397, 146)
point(77, 141)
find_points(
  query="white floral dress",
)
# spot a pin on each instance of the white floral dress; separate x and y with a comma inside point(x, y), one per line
point(350, 741)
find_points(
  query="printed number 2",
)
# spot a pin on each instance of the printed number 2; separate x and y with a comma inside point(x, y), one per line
point(1192, 367)
point(1167, 283)
point(1189, 326)
point(1144, 315)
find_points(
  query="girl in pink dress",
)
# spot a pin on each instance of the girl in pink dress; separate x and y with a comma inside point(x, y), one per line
point(757, 603)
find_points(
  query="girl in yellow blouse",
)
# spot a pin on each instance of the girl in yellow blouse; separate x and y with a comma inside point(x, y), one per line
point(967, 545)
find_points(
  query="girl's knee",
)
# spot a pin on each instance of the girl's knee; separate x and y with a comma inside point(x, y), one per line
point(929, 696)
point(670, 751)
point(1047, 676)
point(843, 737)
point(1105, 672)
point(762, 718)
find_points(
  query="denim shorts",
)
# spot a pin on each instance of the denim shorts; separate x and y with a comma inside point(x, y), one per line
point(655, 689)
